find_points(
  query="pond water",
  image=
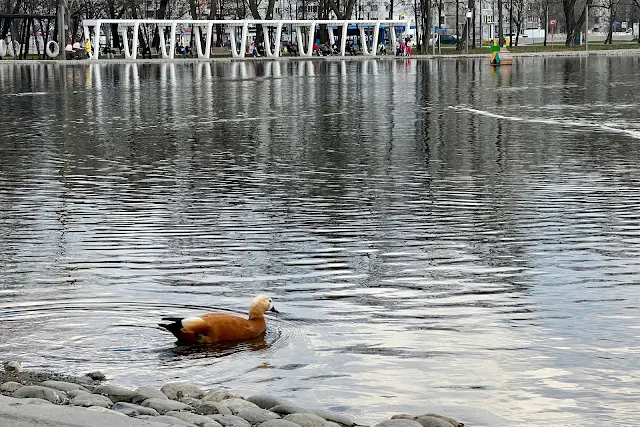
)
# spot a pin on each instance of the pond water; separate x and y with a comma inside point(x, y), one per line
point(438, 236)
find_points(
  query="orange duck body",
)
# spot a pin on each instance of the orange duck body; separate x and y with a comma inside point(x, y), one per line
point(218, 327)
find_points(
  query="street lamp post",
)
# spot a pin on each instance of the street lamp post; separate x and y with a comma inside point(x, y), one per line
point(469, 15)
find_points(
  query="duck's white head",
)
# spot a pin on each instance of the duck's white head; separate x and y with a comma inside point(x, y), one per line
point(260, 305)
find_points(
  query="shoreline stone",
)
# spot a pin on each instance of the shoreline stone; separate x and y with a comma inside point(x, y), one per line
point(40, 392)
point(179, 390)
point(88, 400)
point(229, 420)
point(178, 403)
point(115, 393)
point(165, 405)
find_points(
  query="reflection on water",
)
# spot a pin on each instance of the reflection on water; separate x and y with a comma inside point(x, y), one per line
point(438, 235)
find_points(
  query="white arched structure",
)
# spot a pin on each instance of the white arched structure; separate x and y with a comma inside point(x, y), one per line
point(204, 29)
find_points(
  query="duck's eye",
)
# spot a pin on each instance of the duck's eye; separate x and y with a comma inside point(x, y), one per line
point(270, 301)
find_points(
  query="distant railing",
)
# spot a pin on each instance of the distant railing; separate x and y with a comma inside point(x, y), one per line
point(305, 43)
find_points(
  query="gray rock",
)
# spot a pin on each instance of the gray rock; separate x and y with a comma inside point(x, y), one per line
point(105, 410)
point(144, 393)
point(289, 408)
point(266, 401)
point(454, 422)
point(278, 423)
point(306, 420)
point(97, 376)
point(63, 386)
point(404, 417)
point(257, 416)
point(165, 419)
point(220, 395)
point(211, 407)
point(75, 393)
point(129, 408)
point(46, 393)
point(12, 366)
point(332, 424)
point(115, 393)
point(230, 420)
point(434, 421)
point(399, 422)
point(236, 405)
point(10, 386)
point(91, 400)
point(336, 418)
point(178, 390)
point(165, 405)
point(199, 420)
point(191, 401)
point(129, 412)
point(31, 401)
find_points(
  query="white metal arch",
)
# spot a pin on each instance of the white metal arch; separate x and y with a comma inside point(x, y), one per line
point(304, 46)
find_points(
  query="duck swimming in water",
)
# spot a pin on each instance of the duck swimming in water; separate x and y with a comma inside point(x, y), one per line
point(217, 327)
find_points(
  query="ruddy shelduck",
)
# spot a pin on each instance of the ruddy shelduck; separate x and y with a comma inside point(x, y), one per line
point(217, 327)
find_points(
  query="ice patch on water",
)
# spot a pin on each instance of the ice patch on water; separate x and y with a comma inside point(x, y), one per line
point(564, 123)
point(27, 94)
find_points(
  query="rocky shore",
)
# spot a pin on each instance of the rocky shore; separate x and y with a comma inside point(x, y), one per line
point(43, 398)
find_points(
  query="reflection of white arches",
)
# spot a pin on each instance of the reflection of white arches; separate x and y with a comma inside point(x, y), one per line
point(305, 42)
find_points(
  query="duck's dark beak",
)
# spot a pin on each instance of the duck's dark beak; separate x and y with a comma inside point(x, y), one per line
point(273, 309)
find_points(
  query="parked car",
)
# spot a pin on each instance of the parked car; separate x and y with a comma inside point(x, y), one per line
point(444, 39)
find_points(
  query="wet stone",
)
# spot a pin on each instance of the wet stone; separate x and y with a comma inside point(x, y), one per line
point(105, 410)
point(144, 393)
point(210, 407)
point(165, 405)
point(266, 401)
point(452, 421)
point(278, 423)
point(306, 420)
point(237, 405)
point(336, 418)
point(133, 410)
point(191, 401)
point(115, 393)
point(40, 392)
point(178, 390)
point(289, 408)
point(75, 393)
point(31, 401)
point(91, 400)
point(12, 366)
point(230, 420)
point(97, 376)
point(10, 387)
point(199, 420)
point(220, 395)
point(431, 421)
point(399, 422)
point(165, 419)
point(63, 386)
point(257, 416)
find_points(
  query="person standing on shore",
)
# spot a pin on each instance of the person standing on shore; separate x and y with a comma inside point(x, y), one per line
point(87, 48)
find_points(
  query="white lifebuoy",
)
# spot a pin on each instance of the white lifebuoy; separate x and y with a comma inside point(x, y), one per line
point(13, 48)
point(3, 48)
point(52, 53)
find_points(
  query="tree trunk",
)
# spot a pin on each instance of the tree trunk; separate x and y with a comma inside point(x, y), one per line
point(546, 21)
point(162, 13)
point(500, 24)
point(612, 15)
point(425, 12)
point(573, 25)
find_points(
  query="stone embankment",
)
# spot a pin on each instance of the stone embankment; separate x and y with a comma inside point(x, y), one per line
point(43, 398)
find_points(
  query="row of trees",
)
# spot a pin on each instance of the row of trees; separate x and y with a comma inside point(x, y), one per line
point(569, 15)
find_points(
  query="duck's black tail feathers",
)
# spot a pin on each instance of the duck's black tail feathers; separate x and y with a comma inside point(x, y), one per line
point(173, 327)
